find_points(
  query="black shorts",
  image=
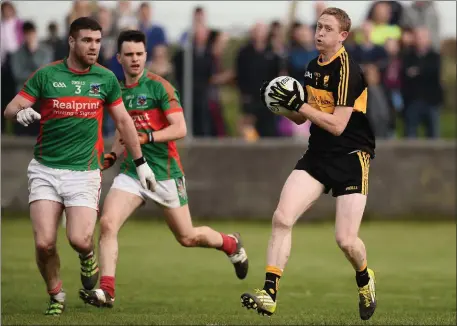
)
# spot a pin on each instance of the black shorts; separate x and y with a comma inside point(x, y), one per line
point(345, 174)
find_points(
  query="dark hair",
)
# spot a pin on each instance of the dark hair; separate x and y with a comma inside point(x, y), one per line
point(7, 4)
point(198, 10)
point(84, 23)
point(130, 36)
point(52, 27)
point(144, 5)
point(28, 27)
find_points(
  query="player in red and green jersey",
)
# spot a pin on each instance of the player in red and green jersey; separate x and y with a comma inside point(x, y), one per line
point(155, 108)
point(65, 170)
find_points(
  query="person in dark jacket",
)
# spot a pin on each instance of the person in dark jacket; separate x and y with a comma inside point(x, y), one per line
point(255, 64)
point(422, 91)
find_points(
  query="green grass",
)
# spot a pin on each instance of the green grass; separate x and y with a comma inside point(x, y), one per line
point(159, 282)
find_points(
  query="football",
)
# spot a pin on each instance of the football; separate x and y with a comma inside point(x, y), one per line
point(288, 83)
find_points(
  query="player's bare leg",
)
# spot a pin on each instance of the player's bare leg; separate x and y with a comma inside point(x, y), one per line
point(349, 212)
point(45, 216)
point(298, 194)
point(118, 206)
point(80, 233)
point(180, 222)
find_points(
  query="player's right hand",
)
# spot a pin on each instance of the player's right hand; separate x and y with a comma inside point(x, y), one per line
point(263, 89)
point(27, 116)
point(145, 174)
point(109, 160)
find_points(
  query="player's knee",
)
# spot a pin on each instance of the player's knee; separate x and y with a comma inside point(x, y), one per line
point(345, 242)
point(81, 242)
point(108, 226)
point(45, 247)
point(282, 220)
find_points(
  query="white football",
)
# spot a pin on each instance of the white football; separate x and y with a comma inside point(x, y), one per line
point(288, 83)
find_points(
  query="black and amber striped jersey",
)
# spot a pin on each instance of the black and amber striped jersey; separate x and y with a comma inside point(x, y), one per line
point(339, 82)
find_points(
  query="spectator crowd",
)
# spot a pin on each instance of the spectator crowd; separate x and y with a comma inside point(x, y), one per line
point(397, 46)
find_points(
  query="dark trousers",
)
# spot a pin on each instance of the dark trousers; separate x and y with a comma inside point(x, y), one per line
point(419, 112)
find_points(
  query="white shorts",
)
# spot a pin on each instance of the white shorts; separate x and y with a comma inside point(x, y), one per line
point(169, 193)
point(71, 188)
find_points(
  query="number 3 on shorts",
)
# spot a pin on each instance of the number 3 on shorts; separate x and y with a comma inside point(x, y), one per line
point(182, 192)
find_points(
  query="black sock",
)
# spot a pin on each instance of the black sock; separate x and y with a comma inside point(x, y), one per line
point(271, 284)
point(362, 278)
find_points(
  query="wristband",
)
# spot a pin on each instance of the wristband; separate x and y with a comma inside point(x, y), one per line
point(139, 161)
point(15, 115)
point(150, 137)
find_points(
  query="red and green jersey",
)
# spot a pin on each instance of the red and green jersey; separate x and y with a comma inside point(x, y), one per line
point(149, 102)
point(71, 108)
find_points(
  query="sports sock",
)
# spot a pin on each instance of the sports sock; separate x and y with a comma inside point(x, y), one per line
point(272, 276)
point(86, 256)
point(107, 285)
point(228, 244)
point(362, 277)
point(56, 290)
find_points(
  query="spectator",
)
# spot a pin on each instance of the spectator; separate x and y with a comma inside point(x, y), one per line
point(155, 35)
point(11, 30)
point(319, 7)
point(160, 62)
point(396, 9)
point(58, 46)
point(255, 64)
point(391, 74)
point(199, 19)
point(381, 113)
point(422, 86)
point(108, 47)
point(381, 28)
point(202, 70)
point(30, 56)
point(407, 41)
point(301, 51)
point(11, 39)
point(81, 8)
point(217, 44)
point(423, 13)
point(367, 52)
point(124, 18)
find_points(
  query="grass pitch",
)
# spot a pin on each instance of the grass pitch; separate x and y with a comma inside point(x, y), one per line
point(159, 282)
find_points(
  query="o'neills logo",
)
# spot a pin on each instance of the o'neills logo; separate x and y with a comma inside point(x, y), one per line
point(75, 106)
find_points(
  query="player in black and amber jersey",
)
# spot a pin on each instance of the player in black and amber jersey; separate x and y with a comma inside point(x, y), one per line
point(340, 148)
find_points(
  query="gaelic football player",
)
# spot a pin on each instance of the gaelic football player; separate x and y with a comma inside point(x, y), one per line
point(154, 106)
point(340, 148)
point(65, 170)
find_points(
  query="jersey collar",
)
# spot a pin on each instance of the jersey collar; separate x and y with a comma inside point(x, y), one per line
point(336, 55)
point(138, 82)
point(75, 71)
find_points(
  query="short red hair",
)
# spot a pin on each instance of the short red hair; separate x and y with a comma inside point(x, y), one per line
point(341, 16)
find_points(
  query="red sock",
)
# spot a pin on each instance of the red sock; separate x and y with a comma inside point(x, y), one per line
point(56, 290)
point(107, 284)
point(228, 244)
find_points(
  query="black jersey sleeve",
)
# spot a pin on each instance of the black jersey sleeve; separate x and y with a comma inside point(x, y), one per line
point(350, 83)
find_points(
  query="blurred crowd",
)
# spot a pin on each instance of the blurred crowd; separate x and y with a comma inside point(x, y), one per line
point(397, 45)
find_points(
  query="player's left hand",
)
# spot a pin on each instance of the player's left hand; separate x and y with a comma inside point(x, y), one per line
point(288, 99)
point(109, 160)
point(145, 174)
point(144, 138)
point(27, 116)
